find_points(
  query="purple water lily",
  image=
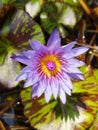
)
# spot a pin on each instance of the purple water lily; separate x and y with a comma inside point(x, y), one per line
point(49, 68)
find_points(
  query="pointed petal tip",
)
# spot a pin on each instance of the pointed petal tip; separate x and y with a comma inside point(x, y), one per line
point(13, 57)
point(47, 97)
point(55, 30)
point(34, 95)
point(46, 100)
point(26, 85)
point(86, 48)
point(62, 96)
point(54, 40)
point(41, 90)
point(18, 79)
point(63, 101)
point(37, 45)
point(83, 78)
point(70, 94)
point(73, 42)
point(31, 41)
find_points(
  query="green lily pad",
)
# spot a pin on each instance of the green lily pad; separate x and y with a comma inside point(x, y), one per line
point(18, 30)
point(54, 14)
point(22, 28)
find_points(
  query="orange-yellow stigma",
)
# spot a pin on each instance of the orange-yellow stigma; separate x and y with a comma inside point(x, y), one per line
point(50, 65)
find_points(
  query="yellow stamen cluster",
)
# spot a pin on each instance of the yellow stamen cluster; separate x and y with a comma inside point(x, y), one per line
point(50, 58)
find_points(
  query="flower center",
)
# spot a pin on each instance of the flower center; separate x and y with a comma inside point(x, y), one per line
point(50, 65)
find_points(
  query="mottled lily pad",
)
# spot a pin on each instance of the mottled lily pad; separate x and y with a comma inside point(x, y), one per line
point(80, 117)
point(89, 91)
point(15, 33)
point(37, 110)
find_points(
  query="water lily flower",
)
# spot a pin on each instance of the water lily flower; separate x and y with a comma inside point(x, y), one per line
point(49, 69)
